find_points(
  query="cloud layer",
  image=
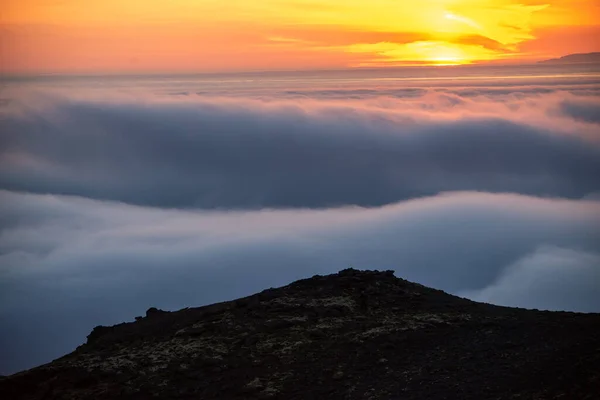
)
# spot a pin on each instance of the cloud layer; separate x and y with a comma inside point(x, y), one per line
point(184, 194)
point(192, 151)
point(68, 264)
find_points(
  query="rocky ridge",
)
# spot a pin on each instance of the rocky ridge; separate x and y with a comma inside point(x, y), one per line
point(352, 335)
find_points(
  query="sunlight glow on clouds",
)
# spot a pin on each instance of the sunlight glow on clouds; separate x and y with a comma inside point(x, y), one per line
point(210, 35)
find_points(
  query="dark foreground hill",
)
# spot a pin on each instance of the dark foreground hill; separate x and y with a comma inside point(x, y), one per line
point(353, 335)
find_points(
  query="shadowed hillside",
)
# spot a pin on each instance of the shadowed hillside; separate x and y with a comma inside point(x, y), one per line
point(352, 335)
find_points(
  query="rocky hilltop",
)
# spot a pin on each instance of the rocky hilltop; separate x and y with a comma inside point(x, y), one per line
point(352, 335)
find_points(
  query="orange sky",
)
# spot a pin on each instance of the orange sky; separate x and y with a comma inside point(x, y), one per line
point(233, 35)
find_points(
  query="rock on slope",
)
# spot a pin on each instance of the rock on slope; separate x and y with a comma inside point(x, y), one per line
point(353, 335)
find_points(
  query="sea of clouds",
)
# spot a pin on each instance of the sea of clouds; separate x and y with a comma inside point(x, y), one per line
point(198, 152)
point(111, 203)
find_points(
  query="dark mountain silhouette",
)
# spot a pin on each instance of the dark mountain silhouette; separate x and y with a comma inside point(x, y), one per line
point(579, 58)
point(352, 335)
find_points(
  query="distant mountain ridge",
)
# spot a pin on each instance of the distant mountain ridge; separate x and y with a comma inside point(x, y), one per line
point(351, 335)
point(578, 58)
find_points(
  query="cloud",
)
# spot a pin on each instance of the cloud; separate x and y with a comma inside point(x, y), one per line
point(550, 278)
point(196, 193)
point(328, 36)
point(586, 111)
point(68, 264)
point(194, 152)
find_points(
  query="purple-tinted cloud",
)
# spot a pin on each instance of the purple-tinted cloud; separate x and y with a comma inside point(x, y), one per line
point(196, 153)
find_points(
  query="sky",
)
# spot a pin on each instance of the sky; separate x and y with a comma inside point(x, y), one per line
point(112, 36)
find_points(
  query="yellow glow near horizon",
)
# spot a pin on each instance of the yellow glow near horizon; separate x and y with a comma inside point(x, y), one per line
point(208, 35)
point(425, 53)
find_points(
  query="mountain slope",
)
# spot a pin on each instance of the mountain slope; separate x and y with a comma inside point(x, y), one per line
point(352, 335)
point(579, 58)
